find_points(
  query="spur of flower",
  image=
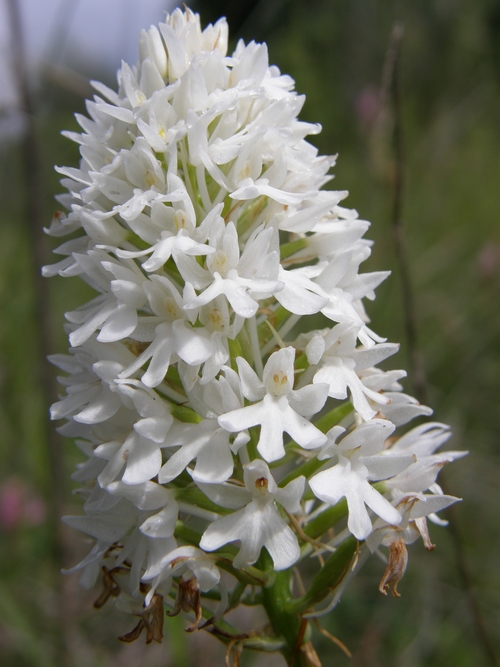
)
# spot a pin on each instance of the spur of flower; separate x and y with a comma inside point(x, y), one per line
point(220, 428)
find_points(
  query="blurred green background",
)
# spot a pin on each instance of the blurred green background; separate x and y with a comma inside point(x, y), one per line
point(449, 612)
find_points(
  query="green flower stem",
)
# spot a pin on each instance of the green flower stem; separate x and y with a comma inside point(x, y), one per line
point(247, 575)
point(326, 520)
point(307, 469)
point(255, 346)
point(290, 248)
point(252, 443)
point(173, 379)
point(194, 496)
point(333, 417)
point(235, 596)
point(301, 365)
point(244, 348)
point(247, 218)
point(235, 350)
point(226, 633)
point(286, 622)
point(136, 241)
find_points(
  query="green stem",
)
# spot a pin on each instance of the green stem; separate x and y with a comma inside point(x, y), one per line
point(287, 624)
point(290, 248)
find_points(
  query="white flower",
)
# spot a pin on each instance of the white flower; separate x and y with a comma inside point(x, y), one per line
point(242, 280)
point(258, 524)
point(150, 496)
point(206, 442)
point(281, 409)
point(140, 452)
point(173, 336)
point(341, 361)
point(413, 508)
point(198, 217)
point(358, 464)
point(176, 225)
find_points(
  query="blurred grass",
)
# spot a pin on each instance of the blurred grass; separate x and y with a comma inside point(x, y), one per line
point(451, 115)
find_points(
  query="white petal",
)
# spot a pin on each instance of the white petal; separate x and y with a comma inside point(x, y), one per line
point(220, 532)
point(380, 505)
point(145, 496)
point(291, 495)
point(251, 386)
point(143, 462)
point(226, 495)
point(281, 542)
point(328, 485)
point(431, 504)
point(383, 466)
point(163, 523)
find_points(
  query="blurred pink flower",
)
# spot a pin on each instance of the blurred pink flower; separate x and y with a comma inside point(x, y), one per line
point(488, 261)
point(20, 504)
point(367, 106)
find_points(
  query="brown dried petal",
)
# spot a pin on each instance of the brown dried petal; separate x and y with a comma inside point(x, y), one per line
point(312, 658)
point(152, 620)
point(424, 533)
point(398, 559)
point(133, 634)
point(111, 588)
point(188, 599)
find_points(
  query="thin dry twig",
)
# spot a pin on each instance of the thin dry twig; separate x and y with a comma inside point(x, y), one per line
point(332, 638)
point(391, 94)
point(317, 545)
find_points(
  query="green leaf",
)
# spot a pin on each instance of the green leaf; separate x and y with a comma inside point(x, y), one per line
point(329, 577)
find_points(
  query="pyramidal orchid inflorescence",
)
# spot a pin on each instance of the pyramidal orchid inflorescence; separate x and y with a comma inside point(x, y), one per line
point(221, 429)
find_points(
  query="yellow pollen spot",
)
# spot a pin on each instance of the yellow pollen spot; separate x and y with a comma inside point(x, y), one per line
point(246, 171)
point(149, 177)
point(280, 378)
point(220, 260)
point(162, 133)
point(171, 307)
point(216, 319)
point(180, 219)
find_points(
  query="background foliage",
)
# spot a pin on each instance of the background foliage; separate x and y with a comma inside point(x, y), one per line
point(451, 123)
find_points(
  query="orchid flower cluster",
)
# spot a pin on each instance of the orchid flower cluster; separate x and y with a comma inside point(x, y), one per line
point(222, 430)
